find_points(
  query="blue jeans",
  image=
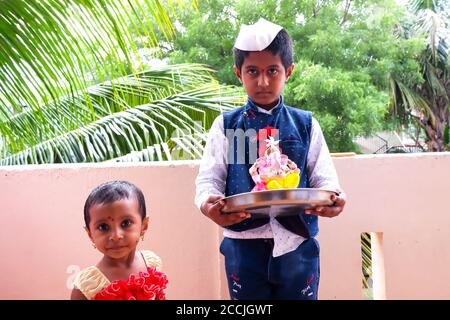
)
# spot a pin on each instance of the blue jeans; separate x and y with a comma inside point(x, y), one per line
point(254, 274)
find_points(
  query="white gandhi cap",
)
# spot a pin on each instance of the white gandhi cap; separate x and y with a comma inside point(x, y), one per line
point(258, 36)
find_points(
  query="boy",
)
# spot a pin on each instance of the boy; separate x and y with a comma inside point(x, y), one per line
point(270, 258)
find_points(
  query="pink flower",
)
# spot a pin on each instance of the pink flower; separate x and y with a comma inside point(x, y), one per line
point(260, 186)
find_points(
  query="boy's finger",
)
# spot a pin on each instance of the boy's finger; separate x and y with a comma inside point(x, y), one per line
point(239, 216)
point(339, 202)
point(317, 211)
point(219, 203)
point(215, 200)
point(244, 215)
point(331, 212)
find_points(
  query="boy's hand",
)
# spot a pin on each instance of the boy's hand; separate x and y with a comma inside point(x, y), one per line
point(331, 211)
point(212, 209)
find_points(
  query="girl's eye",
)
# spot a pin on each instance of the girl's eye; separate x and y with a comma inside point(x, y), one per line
point(103, 227)
point(126, 223)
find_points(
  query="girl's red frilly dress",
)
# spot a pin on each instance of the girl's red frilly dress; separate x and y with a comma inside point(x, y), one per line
point(148, 285)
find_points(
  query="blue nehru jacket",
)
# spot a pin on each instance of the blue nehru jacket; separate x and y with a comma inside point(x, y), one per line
point(241, 126)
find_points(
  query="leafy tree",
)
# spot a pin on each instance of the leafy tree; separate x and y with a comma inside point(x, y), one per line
point(207, 36)
point(346, 103)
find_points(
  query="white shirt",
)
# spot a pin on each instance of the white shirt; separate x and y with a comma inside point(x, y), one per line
point(212, 177)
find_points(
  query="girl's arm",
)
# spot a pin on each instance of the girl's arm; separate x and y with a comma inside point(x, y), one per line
point(77, 295)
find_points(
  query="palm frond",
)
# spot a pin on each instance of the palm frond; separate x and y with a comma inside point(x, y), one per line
point(34, 125)
point(431, 25)
point(53, 48)
point(366, 254)
point(418, 5)
point(184, 146)
point(434, 82)
point(407, 101)
point(151, 126)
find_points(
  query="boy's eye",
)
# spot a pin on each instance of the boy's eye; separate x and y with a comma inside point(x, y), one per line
point(273, 71)
point(126, 223)
point(103, 227)
point(252, 72)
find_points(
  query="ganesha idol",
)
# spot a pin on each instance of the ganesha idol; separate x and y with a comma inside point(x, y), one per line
point(273, 170)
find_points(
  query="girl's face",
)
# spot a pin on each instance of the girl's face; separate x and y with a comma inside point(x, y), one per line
point(263, 76)
point(115, 228)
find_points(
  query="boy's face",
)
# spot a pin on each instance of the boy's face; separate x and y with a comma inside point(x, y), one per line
point(115, 228)
point(263, 76)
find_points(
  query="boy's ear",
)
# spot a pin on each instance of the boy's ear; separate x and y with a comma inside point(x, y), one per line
point(237, 73)
point(289, 71)
point(144, 225)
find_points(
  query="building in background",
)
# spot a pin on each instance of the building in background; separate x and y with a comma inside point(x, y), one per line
point(388, 142)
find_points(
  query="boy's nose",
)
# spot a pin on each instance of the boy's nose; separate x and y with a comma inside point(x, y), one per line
point(263, 81)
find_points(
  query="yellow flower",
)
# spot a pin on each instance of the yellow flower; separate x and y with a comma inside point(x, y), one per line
point(289, 181)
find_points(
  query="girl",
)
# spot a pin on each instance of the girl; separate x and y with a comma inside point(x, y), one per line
point(115, 218)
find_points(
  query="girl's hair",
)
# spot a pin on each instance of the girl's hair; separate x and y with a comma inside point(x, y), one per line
point(281, 45)
point(110, 192)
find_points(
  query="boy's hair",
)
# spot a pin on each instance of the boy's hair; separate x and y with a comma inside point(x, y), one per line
point(110, 192)
point(281, 45)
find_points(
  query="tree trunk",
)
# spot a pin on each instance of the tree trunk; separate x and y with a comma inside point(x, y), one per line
point(435, 134)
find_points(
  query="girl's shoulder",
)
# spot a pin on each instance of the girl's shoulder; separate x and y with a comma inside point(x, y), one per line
point(152, 259)
point(90, 281)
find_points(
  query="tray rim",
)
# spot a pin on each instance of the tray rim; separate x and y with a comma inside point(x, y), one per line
point(278, 190)
point(224, 209)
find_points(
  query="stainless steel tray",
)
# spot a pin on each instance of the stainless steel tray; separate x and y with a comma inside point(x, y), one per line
point(282, 202)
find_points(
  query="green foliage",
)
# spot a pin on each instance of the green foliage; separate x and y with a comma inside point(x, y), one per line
point(74, 89)
point(345, 103)
point(66, 86)
point(208, 38)
point(366, 254)
point(160, 114)
point(344, 56)
point(52, 48)
point(422, 100)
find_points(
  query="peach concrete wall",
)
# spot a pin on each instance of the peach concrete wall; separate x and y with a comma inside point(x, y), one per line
point(42, 243)
point(406, 198)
